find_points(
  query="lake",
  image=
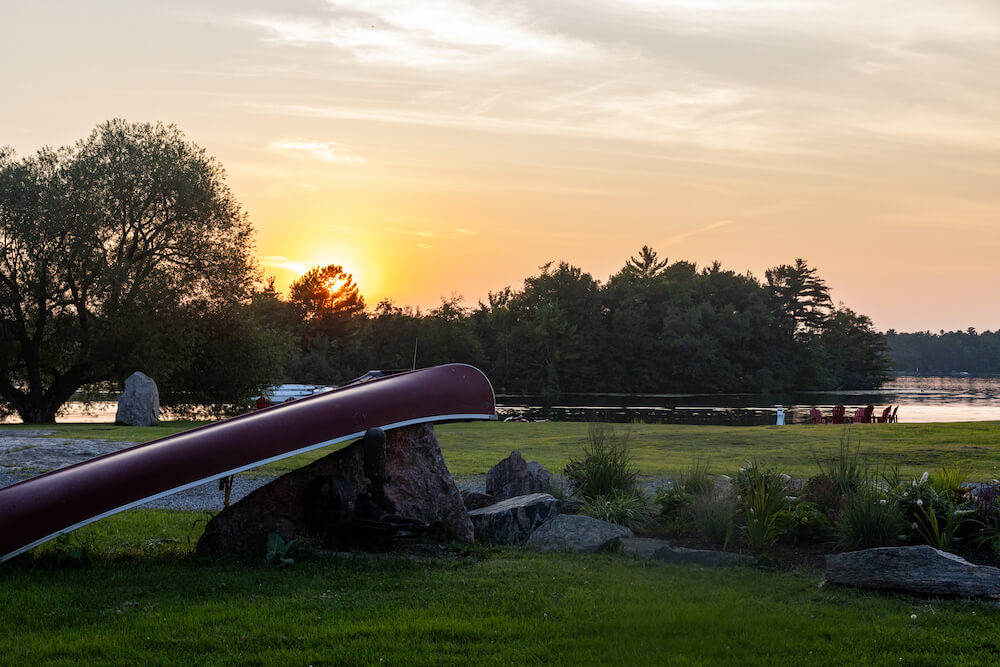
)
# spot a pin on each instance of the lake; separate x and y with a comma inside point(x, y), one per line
point(921, 400)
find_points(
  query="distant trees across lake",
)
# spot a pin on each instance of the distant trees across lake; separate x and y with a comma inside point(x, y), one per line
point(945, 352)
point(654, 326)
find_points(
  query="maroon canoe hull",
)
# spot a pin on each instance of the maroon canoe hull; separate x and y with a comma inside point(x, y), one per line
point(39, 509)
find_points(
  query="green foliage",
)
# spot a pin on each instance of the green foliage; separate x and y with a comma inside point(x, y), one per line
point(762, 493)
point(672, 501)
point(869, 518)
point(696, 480)
point(626, 509)
point(949, 482)
point(847, 469)
point(114, 250)
point(802, 522)
point(129, 608)
point(713, 515)
point(939, 532)
point(606, 467)
point(822, 491)
point(277, 550)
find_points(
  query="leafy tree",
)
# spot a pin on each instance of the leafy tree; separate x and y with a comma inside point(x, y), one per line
point(102, 246)
point(858, 355)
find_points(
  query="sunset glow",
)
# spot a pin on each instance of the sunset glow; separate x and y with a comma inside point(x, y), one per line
point(453, 147)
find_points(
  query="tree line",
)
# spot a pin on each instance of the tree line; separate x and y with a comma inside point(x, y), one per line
point(126, 251)
point(653, 327)
point(945, 352)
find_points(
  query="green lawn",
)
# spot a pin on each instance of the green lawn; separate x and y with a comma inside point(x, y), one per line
point(664, 449)
point(139, 597)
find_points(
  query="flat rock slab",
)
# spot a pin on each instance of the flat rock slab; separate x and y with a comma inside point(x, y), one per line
point(574, 532)
point(661, 550)
point(919, 569)
point(511, 521)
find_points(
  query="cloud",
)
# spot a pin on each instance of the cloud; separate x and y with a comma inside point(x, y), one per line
point(280, 262)
point(424, 246)
point(325, 151)
point(677, 238)
point(430, 34)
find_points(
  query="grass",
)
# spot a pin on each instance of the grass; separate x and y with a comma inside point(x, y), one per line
point(139, 597)
point(663, 449)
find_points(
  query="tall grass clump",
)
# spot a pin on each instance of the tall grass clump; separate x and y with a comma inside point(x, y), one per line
point(697, 479)
point(847, 469)
point(870, 518)
point(606, 467)
point(626, 509)
point(762, 496)
point(713, 515)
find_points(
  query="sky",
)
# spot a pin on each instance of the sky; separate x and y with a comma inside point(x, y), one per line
point(448, 148)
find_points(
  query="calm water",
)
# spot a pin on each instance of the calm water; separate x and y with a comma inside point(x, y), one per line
point(921, 399)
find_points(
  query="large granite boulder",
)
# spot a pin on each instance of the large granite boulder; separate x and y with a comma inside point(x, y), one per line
point(514, 476)
point(569, 532)
point(140, 404)
point(919, 569)
point(511, 521)
point(420, 487)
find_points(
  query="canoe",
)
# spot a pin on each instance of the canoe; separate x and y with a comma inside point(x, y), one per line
point(44, 507)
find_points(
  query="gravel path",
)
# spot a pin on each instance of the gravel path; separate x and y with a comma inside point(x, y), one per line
point(26, 454)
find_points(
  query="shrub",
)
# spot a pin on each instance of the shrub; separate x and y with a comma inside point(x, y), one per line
point(672, 501)
point(626, 509)
point(822, 491)
point(986, 516)
point(713, 515)
point(606, 467)
point(869, 518)
point(802, 522)
point(762, 495)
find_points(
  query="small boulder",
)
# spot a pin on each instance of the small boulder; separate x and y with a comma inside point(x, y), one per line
point(919, 569)
point(140, 404)
point(568, 532)
point(514, 476)
point(511, 521)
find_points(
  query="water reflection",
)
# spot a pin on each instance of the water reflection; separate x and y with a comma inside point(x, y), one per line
point(921, 400)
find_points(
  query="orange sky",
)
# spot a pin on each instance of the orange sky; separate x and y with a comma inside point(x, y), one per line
point(452, 147)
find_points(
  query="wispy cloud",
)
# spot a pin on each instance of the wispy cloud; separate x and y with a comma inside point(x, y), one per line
point(325, 151)
point(436, 33)
point(280, 262)
point(677, 238)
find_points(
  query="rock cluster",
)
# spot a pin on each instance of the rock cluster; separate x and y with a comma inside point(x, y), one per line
point(514, 476)
point(420, 487)
point(511, 521)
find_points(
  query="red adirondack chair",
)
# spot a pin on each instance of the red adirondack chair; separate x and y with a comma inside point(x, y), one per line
point(859, 416)
point(837, 417)
point(815, 416)
point(892, 417)
point(884, 419)
point(867, 417)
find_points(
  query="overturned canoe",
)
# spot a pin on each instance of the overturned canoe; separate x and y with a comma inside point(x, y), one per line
point(44, 507)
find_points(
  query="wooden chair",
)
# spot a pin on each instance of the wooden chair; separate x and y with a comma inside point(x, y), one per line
point(859, 416)
point(892, 417)
point(815, 416)
point(837, 417)
point(884, 419)
point(867, 417)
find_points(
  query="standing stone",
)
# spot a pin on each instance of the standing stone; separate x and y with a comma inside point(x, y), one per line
point(514, 477)
point(140, 404)
point(420, 487)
